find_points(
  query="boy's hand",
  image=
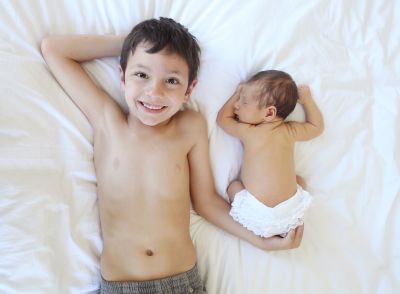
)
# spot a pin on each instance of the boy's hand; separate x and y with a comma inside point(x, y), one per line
point(304, 93)
point(291, 241)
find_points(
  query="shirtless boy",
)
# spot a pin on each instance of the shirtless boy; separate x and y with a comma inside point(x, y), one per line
point(268, 200)
point(151, 162)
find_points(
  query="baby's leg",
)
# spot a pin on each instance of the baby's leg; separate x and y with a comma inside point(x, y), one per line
point(233, 188)
point(300, 181)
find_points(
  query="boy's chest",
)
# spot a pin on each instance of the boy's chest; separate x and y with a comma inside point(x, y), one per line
point(143, 159)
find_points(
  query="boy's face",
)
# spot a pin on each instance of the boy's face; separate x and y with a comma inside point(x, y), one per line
point(247, 109)
point(156, 85)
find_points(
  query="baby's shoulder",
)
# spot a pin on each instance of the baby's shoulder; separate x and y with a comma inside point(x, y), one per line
point(286, 131)
point(274, 132)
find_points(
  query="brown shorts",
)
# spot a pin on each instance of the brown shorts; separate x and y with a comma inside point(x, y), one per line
point(187, 282)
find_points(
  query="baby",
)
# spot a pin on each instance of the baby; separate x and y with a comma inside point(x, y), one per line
point(268, 201)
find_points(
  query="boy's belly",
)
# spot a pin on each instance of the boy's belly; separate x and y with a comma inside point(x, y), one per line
point(146, 240)
point(146, 263)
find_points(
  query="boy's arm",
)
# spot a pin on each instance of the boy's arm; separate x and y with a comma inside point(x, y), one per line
point(314, 124)
point(213, 207)
point(226, 117)
point(64, 54)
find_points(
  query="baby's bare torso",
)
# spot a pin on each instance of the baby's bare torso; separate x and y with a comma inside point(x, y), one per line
point(143, 190)
point(268, 170)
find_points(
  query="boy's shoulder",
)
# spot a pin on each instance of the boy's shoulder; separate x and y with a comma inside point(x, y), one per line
point(191, 122)
point(189, 118)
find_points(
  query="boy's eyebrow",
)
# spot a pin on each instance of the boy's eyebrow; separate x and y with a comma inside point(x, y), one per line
point(139, 65)
point(176, 72)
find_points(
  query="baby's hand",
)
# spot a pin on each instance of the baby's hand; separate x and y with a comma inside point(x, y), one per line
point(235, 96)
point(240, 87)
point(304, 93)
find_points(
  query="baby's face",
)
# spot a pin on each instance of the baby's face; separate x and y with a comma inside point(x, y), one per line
point(247, 108)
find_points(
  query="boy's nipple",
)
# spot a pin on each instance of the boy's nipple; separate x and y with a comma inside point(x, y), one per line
point(149, 252)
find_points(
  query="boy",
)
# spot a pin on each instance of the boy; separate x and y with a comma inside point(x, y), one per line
point(150, 160)
point(267, 200)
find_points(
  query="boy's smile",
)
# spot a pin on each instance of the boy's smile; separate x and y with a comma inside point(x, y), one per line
point(156, 85)
point(151, 108)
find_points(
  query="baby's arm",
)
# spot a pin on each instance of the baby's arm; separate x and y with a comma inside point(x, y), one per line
point(234, 187)
point(212, 207)
point(314, 124)
point(226, 117)
point(64, 55)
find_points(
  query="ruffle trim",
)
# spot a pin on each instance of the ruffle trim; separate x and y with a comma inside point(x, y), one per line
point(271, 222)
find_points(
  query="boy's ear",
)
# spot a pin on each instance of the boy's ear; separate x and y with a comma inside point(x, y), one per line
point(190, 89)
point(121, 77)
point(270, 113)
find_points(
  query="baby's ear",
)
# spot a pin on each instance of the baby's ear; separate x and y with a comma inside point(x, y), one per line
point(270, 113)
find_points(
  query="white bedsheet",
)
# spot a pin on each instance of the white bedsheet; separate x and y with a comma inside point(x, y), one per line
point(347, 51)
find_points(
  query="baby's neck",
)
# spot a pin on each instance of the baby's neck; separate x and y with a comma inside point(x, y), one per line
point(275, 122)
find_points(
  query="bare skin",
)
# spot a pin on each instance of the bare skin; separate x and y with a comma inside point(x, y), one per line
point(268, 170)
point(149, 163)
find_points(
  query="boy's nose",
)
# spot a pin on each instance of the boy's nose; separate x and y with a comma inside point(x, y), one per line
point(155, 89)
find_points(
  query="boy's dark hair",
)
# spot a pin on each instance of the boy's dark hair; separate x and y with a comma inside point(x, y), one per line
point(277, 88)
point(160, 34)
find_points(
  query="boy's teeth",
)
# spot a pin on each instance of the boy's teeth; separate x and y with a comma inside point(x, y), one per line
point(152, 106)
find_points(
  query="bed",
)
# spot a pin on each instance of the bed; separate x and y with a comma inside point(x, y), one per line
point(348, 52)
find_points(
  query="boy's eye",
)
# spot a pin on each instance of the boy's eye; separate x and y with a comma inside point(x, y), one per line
point(172, 81)
point(141, 75)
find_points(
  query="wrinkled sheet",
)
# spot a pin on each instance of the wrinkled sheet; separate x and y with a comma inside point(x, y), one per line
point(347, 51)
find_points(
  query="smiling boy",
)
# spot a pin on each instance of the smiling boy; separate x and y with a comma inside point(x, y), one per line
point(151, 162)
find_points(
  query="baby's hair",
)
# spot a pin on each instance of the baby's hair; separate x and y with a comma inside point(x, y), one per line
point(278, 89)
point(160, 34)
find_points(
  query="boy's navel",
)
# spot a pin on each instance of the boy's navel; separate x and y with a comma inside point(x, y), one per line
point(149, 252)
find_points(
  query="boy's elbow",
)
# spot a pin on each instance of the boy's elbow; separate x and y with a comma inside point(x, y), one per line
point(198, 208)
point(203, 205)
point(47, 46)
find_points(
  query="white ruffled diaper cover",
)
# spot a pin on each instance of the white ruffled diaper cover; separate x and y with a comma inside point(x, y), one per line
point(265, 221)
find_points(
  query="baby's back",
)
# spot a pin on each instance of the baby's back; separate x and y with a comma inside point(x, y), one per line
point(268, 170)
